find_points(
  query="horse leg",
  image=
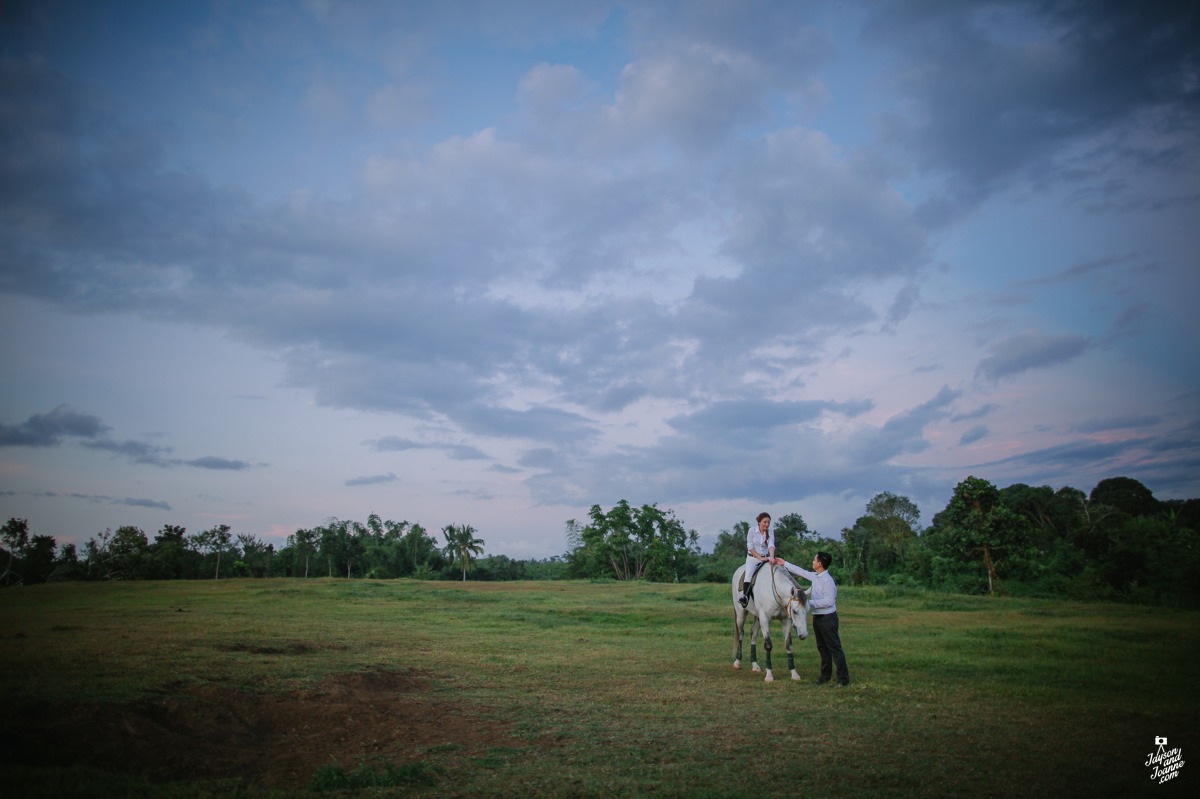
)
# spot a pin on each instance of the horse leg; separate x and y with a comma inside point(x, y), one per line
point(766, 626)
point(787, 642)
point(754, 646)
point(739, 626)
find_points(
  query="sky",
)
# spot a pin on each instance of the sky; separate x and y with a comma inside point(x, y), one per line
point(495, 262)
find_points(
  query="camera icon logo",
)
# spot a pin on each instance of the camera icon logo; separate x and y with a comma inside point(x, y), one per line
point(1160, 741)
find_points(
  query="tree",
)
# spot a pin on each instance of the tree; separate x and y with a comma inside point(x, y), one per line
point(256, 554)
point(790, 532)
point(881, 541)
point(610, 545)
point(39, 558)
point(66, 565)
point(859, 540)
point(355, 546)
point(728, 554)
point(388, 556)
point(895, 522)
point(127, 554)
point(15, 538)
point(1125, 495)
point(499, 567)
point(380, 550)
point(303, 544)
point(633, 544)
point(977, 524)
point(1184, 512)
point(334, 543)
point(732, 543)
point(420, 550)
point(123, 555)
point(1054, 521)
point(583, 559)
point(671, 550)
point(462, 545)
point(213, 541)
point(93, 553)
point(29, 559)
point(170, 554)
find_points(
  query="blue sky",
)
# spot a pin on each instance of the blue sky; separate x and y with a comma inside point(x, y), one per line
point(492, 263)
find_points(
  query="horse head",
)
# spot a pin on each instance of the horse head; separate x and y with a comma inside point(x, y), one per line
point(798, 610)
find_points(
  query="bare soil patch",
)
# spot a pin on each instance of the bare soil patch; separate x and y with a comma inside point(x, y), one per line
point(267, 739)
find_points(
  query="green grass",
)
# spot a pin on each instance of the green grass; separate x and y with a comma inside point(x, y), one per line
point(627, 690)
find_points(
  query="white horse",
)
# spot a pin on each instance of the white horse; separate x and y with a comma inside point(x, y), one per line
point(774, 595)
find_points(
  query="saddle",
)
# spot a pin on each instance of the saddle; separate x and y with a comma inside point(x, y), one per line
point(742, 582)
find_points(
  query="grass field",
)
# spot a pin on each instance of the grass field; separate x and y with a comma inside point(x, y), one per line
point(261, 688)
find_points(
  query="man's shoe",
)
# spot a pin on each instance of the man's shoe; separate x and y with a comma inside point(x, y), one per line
point(842, 684)
point(822, 681)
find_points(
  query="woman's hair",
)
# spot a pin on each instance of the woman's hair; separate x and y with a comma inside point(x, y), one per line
point(761, 516)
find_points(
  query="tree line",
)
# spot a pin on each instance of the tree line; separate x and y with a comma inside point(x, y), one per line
point(338, 548)
point(1118, 542)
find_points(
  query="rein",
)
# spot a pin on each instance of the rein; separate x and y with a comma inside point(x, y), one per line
point(783, 603)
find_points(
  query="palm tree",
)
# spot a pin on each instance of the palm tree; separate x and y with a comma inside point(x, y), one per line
point(462, 545)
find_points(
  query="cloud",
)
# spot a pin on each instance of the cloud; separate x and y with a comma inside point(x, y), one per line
point(799, 247)
point(219, 464)
point(464, 452)
point(798, 460)
point(540, 423)
point(49, 429)
point(904, 432)
point(983, 410)
point(974, 434)
point(621, 255)
point(751, 421)
point(906, 299)
point(143, 503)
point(540, 458)
point(1079, 272)
point(375, 479)
point(395, 444)
point(609, 343)
point(458, 452)
point(1132, 422)
point(1028, 86)
point(1068, 456)
point(99, 498)
point(1030, 350)
point(134, 451)
point(155, 455)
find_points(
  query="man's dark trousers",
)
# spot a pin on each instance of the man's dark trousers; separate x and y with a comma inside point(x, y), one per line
point(829, 646)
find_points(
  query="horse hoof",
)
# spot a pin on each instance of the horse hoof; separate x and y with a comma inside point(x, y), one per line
point(737, 664)
point(769, 678)
point(796, 676)
point(755, 668)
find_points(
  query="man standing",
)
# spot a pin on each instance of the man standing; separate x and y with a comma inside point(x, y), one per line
point(823, 603)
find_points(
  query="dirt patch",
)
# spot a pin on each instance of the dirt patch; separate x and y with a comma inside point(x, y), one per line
point(294, 648)
point(271, 740)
